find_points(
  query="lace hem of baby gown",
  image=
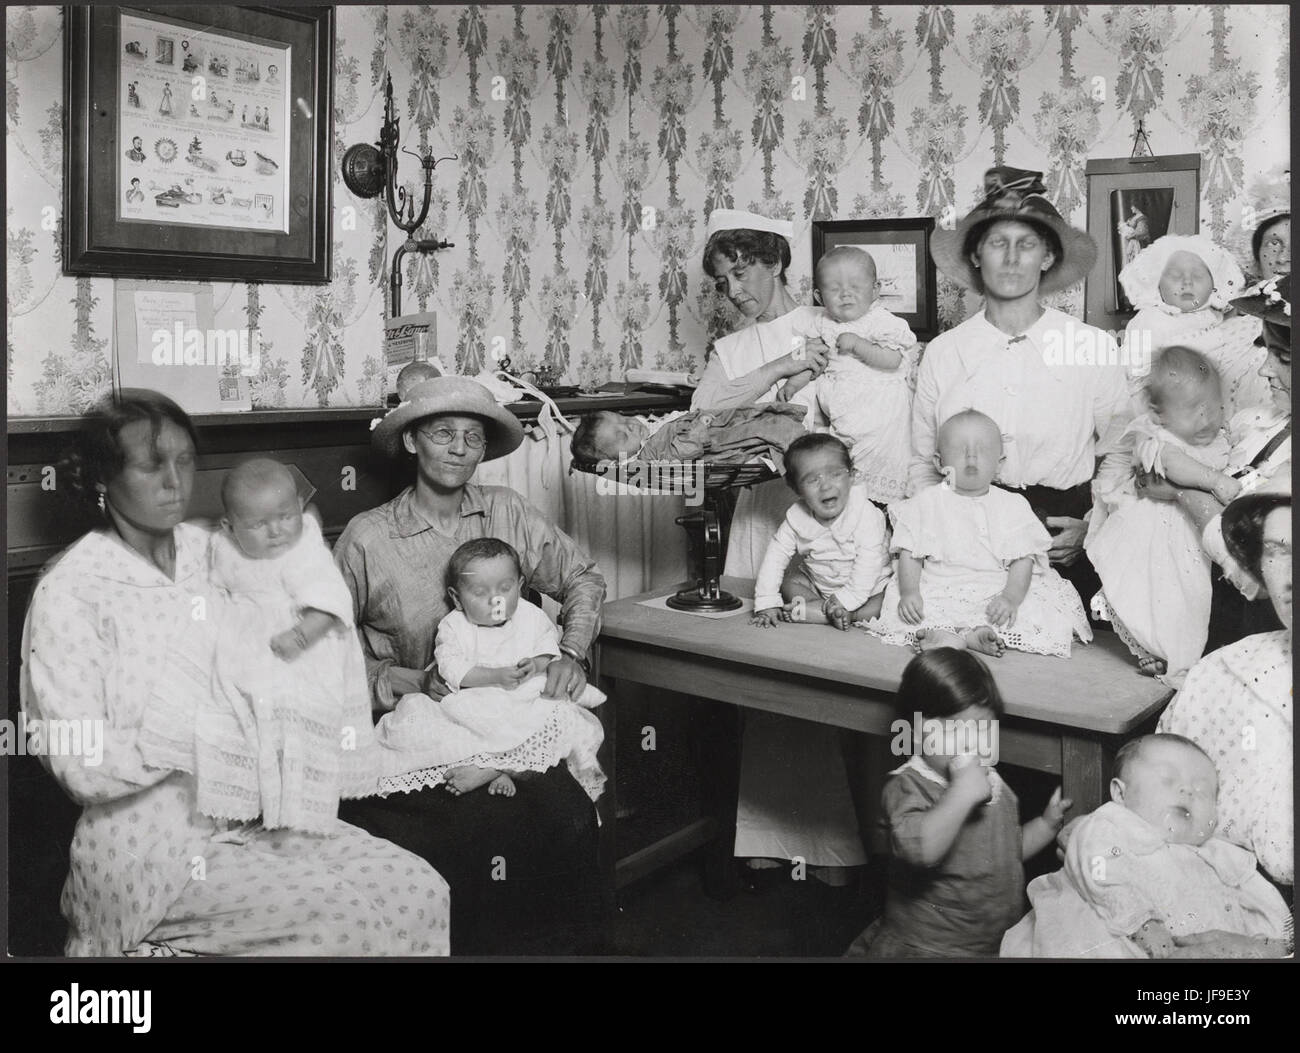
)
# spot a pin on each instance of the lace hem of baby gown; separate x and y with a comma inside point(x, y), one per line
point(1053, 592)
point(539, 752)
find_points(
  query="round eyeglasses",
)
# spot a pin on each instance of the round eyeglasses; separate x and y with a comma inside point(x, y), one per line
point(475, 440)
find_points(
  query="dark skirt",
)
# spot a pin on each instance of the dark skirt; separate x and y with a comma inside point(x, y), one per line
point(1233, 617)
point(523, 870)
point(1074, 502)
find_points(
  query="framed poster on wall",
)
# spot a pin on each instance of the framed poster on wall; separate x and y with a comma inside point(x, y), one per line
point(1132, 201)
point(198, 142)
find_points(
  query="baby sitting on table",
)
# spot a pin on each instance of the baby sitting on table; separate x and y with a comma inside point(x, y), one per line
point(733, 436)
point(1145, 877)
point(494, 727)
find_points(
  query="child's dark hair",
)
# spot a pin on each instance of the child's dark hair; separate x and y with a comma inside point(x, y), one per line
point(98, 455)
point(743, 246)
point(1175, 367)
point(583, 448)
point(944, 682)
point(479, 548)
point(806, 444)
point(1132, 750)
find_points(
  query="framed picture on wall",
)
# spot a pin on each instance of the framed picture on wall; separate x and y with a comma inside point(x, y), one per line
point(1132, 201)
point(199, 142)
point(905, 274)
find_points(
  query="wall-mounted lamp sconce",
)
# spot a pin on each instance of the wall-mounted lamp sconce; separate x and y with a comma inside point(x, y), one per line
point(369, 171)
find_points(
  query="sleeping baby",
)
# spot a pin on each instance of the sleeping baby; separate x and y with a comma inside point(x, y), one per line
point(1145, 877)
point(732, 436)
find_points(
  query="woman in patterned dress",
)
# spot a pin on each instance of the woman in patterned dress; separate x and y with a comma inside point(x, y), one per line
point(1236, 702)
point(148, 871)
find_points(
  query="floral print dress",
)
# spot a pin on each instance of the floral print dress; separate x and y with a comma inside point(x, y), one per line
point(146, 867)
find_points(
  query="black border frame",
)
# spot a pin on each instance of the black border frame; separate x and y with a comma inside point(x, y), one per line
point(95, 242)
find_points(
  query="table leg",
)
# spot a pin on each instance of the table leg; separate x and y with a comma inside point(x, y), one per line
point(607, 806)
point(1085, 771)
point(718, 762)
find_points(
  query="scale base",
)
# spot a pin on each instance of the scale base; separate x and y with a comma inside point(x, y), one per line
point(693, 600)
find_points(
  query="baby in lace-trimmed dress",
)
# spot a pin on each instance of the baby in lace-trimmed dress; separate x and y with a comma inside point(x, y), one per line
point(265, 701)
point(495, 726)
point(1154, 573)
point(1181, 286)
point(972, 560)
point(865, 393)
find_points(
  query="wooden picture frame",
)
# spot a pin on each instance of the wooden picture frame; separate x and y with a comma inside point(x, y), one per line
point(198, 142)
point(1151, 197)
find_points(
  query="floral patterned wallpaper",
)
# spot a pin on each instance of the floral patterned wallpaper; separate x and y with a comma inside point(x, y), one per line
point(594, 140)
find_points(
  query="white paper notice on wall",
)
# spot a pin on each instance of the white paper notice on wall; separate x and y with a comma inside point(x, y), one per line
point(166, 341)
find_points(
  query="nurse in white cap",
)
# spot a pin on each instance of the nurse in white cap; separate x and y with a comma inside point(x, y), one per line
point(794, 791)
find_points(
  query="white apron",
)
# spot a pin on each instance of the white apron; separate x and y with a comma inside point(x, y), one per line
point(794, 787)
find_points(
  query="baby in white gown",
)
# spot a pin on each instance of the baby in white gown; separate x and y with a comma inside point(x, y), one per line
point(865, 392)
point(1154, 572)
point(972, 559)
point(1145, 877)
point(494, 727)
point(265, 701)
point(1181, 286)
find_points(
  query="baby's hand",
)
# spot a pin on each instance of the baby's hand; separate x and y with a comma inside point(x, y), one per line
point(288, 645)
point(1054, 813)
point(512, 676)
point(969, 779)
point(910, 608)
point(766, 618)
point(1226, 489)
point(1001, 611)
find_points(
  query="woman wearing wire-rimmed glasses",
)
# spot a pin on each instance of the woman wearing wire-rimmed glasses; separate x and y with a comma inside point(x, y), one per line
point(394, 558)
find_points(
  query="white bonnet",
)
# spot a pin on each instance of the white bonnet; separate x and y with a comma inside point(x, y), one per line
point(1141, 278)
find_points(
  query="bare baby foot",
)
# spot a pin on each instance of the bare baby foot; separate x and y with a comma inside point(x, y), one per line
point(468, 777)
point(502, 786)
point(929, 639)
point(984, 639)
point(1150, 665)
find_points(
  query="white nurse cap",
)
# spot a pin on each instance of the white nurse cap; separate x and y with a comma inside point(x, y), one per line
point(735, 219)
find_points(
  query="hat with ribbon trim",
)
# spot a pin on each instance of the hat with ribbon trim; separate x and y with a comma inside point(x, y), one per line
point(1017, 195)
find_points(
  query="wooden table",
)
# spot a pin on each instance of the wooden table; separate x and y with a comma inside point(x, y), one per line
point(1066, 717)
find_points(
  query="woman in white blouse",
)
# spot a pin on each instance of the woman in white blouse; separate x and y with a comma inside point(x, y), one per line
point(1054, 384)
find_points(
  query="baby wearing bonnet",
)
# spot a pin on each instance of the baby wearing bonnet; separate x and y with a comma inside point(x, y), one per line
point(1181, 285)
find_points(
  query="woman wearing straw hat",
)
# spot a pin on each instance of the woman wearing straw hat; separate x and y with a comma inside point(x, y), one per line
point(794, 789)
point(394, 559)
point(1054, 385)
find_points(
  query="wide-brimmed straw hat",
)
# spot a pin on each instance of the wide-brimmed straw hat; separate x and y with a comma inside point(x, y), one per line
point(460, 396)
point(1269, 300)
point(1015, 194)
